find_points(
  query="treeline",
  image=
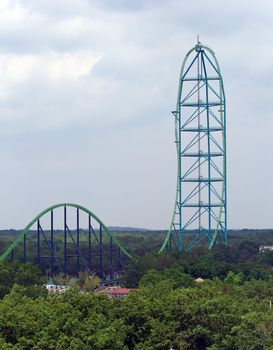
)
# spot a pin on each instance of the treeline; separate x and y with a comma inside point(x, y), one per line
point(243, 246)
point(243, 258)
point(169, 309)
point(220, 299)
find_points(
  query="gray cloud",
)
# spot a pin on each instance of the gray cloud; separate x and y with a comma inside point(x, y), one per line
point(103, 136)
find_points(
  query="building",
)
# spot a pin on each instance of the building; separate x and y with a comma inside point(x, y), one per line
point(265, 248)
point(199, 280)
point(115, 291)
point(118, 292)
point(53, 288)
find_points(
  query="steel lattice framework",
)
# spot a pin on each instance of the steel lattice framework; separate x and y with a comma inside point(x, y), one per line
point(200, 137)
point(93, 249)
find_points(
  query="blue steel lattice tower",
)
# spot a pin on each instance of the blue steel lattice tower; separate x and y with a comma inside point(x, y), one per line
point(200, 135)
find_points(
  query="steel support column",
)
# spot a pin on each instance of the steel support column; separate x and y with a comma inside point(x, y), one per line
point(111, 258)
point(89, 243)
point(25, 250)
point(78, 241)
point(65, 241)
point(52, 243)
point(101, 254)
point(38, 244)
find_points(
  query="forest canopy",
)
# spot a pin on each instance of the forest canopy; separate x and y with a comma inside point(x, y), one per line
point(220, 299)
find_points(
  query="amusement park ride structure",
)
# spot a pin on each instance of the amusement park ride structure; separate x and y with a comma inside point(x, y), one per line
point(94, 249)
point(200, 136)
point(201, 197)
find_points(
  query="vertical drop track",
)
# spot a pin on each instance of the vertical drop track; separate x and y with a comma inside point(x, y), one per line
point(200, 211)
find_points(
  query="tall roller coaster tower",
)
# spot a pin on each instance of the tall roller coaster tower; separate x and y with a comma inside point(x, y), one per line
point(200, 211)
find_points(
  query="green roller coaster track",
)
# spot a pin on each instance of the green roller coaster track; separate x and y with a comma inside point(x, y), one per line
point(20, 237)
point(223, 208)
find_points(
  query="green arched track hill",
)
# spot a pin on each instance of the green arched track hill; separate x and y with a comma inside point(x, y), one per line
point(20, 237)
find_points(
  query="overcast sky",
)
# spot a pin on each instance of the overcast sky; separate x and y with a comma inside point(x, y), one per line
point(86, 91)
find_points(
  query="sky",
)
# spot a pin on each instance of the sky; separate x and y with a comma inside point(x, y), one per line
point(86, 93)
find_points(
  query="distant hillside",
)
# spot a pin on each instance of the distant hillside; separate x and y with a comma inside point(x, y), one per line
point(128, 229)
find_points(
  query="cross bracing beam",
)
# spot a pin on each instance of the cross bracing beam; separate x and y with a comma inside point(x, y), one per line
point(108, 252)
point(200, 138)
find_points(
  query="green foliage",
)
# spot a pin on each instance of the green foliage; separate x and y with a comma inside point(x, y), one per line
point(174, 277)
point(234, 279)
point(229, 310)
point(168, 310)
point(25, 275)
point(87, 282)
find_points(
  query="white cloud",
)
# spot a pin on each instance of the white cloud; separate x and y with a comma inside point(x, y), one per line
point(12, 11)
point(69, 65)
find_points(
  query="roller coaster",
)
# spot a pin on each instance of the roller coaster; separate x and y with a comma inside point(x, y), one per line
point(200, 210)
point(85, 243)
point(70, 251)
